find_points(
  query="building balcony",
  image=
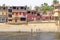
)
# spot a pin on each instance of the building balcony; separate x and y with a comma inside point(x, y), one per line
point(56, 10)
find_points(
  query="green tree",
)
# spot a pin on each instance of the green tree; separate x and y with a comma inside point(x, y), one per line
point(52, 7)
point(28, 8)
point(55, 2)
point(45, 7)
point(3, 5)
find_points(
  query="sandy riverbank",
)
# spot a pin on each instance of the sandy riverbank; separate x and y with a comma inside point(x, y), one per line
point(43, 27)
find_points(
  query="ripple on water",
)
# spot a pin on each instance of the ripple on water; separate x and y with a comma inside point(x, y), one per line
point(30, 36)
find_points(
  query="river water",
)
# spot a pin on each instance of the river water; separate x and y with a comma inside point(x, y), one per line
point(29, 36)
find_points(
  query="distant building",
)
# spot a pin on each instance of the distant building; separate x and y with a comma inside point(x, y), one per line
point(20, 14)
point(49, 15)
point(17, 14)
point(33, 15)
point(56, 11)
point(3, 14)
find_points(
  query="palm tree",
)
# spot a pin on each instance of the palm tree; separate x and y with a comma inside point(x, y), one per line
point(55, 2)
point(45, 7)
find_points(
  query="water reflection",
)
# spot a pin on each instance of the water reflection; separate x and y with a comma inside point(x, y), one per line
point(47, 36)
point(30, 36)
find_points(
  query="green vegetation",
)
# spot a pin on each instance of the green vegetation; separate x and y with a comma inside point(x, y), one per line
point(55, 2)
point(45, 7)
point(3, 5)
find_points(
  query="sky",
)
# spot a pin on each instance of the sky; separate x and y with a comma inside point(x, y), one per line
point(25, 2)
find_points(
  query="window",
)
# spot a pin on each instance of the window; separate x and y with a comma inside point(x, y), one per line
point(56, 18)
point(10, 7)
point(9, 10)
point(23, 8)
point(32, 12)
point(16, 13)
point(38, 14)
point(14, 7)
point(17, 8)
point(15, 20)
point(57, 7)
point(10, 15)
point(10, 19)
point(23, 19)
point(20, 13)
point(23, 13)
point(28, 11)
point(4, 8)
point(2, 19)
point(6, 20)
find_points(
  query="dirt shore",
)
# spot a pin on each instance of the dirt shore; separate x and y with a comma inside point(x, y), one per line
point(35, 27)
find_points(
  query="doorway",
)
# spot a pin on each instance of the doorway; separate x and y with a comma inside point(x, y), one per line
point(15, 20)
point(23, 19)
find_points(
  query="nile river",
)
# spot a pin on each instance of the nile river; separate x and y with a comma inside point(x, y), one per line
point(29, 36)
